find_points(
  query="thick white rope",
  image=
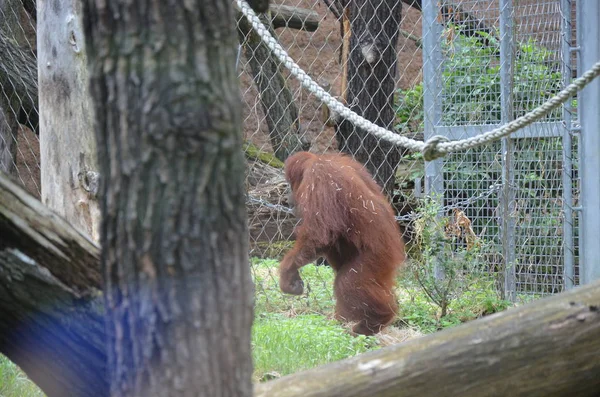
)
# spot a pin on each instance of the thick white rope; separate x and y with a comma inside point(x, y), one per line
point(436, 146)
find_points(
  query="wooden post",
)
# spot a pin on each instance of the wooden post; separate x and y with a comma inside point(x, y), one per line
point(69, 169)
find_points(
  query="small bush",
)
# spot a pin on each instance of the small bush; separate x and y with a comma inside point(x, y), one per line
point(451, 266)
point(419, 312)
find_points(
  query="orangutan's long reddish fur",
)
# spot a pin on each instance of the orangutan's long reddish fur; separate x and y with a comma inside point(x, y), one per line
point(347, 219)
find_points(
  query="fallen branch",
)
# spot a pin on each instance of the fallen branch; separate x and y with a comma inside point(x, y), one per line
point(418, 41)
point(293, 17)
point(52, 322)
point(290, 17)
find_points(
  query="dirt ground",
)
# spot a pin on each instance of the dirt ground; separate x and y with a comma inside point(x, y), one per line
point(316, 52)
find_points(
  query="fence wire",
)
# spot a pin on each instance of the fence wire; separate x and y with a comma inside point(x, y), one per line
point(458, 68)
point(477, 57)
point(19, 144)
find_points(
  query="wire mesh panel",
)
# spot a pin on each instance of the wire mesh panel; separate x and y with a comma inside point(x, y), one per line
point(19, 144)
point(464, 67)
point(454, 68)
point(502, 59)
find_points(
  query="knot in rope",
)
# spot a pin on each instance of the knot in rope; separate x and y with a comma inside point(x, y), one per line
point(431, 149)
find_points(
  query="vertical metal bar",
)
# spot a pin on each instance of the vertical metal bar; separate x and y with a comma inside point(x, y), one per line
point(432, 99)
point(588, 38)
point(507, 195)
point(432, 93)
point(567, 151)
point(579, 153)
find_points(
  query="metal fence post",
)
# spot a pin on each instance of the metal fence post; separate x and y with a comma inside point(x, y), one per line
point(432, 96)
point(507, 115)
point(567, 150)
point(588, 38)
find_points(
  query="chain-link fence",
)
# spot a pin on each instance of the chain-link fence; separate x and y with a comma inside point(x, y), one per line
point(463, 67)
point(454, 68)
point(19, 143)
point(522, 60)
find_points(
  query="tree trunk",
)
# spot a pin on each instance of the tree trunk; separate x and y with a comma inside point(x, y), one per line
point(275, 97)
point(67, 144)
point(177, 280)
point(8, 134)
point(371, 82)
point(51, 323)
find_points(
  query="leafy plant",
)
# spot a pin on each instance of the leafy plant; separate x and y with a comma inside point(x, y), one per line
point(419, 312)
point(409, 109)
point(471, 83)
point(452, 256)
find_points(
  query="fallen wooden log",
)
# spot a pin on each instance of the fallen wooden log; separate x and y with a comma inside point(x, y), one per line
point(294, 17)
point(283, 16)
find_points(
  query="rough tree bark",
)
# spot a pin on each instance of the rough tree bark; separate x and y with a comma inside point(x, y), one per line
point(51, 326)
point(178, 290)
point(275, 97)
point(8, 134)
point(69, 165)
point(371, 82)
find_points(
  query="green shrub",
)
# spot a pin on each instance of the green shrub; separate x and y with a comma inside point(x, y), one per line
point(471, 84)
point(419, 312)
point(452, 261)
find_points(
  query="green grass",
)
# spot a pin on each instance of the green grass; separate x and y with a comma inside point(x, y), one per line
point(417, 311)
point(318, 288)
point(283, 345)
point(14, 382)
point(294, 333)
